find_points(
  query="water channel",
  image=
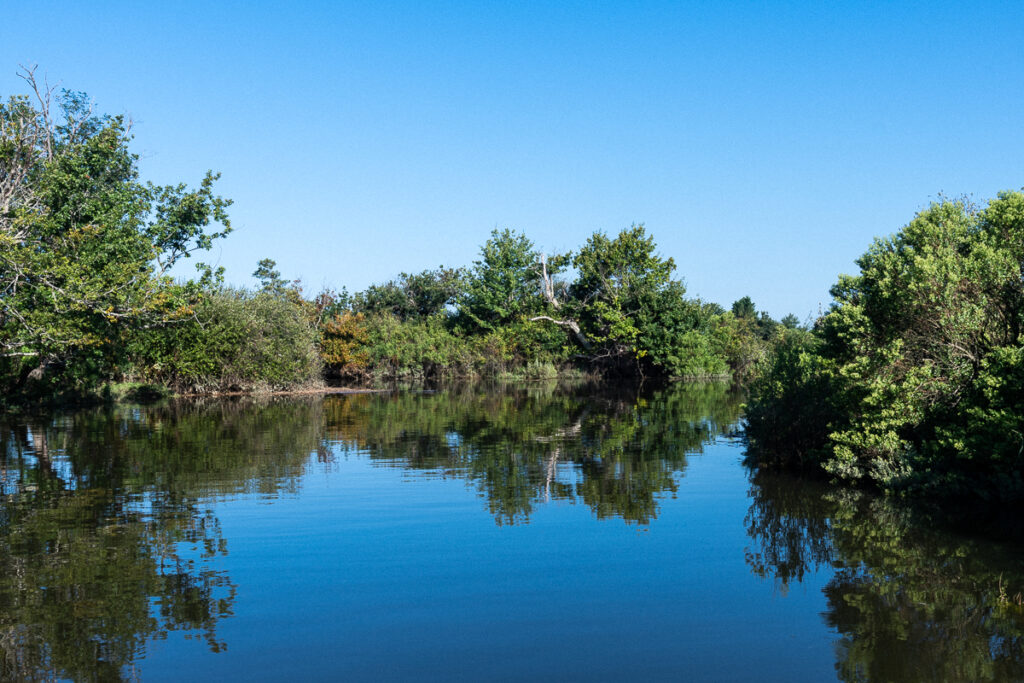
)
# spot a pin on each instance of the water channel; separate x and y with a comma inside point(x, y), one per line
point(540, 532)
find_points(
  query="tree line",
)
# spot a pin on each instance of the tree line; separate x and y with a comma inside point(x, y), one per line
point(911, 381)
point(87, 299)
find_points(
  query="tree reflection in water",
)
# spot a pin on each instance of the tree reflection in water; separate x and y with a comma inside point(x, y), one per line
point(910, 601)
point(108, 539)
point(615, 453)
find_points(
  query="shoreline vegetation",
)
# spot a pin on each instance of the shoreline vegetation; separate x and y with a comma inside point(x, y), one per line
point(89, 304)
point(911, 382)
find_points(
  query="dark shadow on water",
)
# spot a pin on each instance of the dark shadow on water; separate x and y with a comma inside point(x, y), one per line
point(911, 599)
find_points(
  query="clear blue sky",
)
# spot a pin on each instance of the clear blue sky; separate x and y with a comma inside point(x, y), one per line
point(762, 144)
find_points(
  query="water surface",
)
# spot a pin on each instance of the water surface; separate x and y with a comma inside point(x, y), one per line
point(535, 533)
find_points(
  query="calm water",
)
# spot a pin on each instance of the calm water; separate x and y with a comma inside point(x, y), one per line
point(534, 534)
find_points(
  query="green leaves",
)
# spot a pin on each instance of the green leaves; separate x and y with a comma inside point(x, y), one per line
point(181, 217)
point(917, 362)
point(84, 246)
point(235, 340)
point(413, 296)
point(622, 288)
point(503, 286)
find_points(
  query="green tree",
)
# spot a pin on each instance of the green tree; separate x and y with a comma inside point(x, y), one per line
point(412, 296)
point(627, 312)
point(917, 361)
point(744, 308)
point(270, 278)
point(677, 336)
point(432, 291)
point(790, 321)
point(85, 247)
point(503, 286)
point(619, 285)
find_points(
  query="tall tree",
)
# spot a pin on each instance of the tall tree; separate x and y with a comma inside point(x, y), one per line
point(85, 247)
point(503, 286)
point(616, 291)
point(269, 276)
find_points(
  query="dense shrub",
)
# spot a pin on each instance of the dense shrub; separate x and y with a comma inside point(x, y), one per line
point(343, 341)
point(790, 415)
point(237, 340)
point(914, 379)
point(417, 349)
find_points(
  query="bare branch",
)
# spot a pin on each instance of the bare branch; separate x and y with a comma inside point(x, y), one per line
point(44, 96)
point(546, 283)
point(571, 324)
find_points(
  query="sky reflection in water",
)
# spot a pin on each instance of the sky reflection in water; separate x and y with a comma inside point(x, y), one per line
point(539, 532)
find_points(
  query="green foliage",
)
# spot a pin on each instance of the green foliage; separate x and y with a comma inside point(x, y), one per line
point(84, 245)
point(385, 347)
point(790, 321)
point(237, 340)
point(503, 286)
point(270, 278)
point(618, 284)
point(637, 318)
point(416, 349)
point(432, 291)
point(915, 368)
point(676, 336)
point(514, 346)
point(744, 308)
point(531, 372)
point(85, 249)
point(790, 415)
point(623, 312)
point(740, 341)
point(422, 295)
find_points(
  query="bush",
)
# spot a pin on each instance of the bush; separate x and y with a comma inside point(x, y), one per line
point(417, 349)
point(343, 345)
point(237, 340)
point(915, 377)
point(790, 406)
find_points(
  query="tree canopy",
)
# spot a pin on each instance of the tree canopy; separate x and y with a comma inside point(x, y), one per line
point(914, 376)
point(502, 287)
point(85, 246)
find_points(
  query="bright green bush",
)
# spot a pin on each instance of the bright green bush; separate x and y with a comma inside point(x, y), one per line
point(237, 340)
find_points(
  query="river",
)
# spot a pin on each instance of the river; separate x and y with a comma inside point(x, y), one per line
point(541, 532)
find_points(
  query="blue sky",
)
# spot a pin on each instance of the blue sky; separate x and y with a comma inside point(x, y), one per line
point(762, 144)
